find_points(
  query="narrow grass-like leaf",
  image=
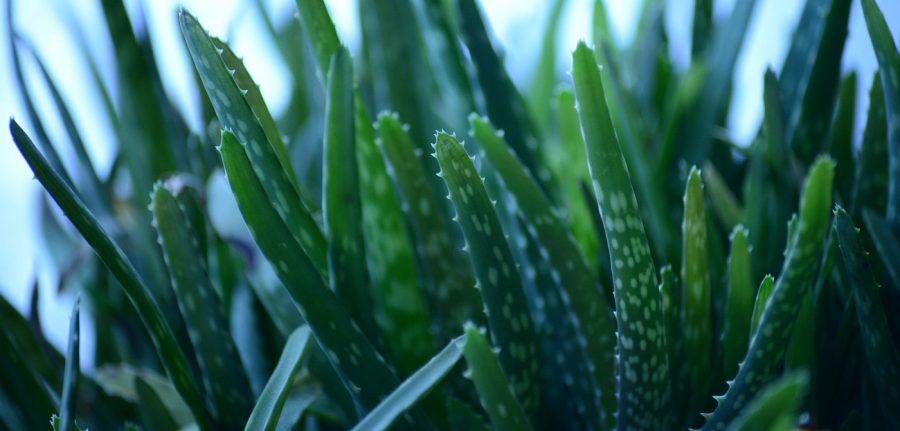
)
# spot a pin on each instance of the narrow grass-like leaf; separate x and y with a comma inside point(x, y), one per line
point(777, 407)
point(841, 138)
point(17, 329)
point(413, 389)
point(348, 275)
point(236, 115)
point(69, 398)
point(762, 297)
point(223, 374)
point(582, 293)
point(643, 393)
point(32, 399)
point(882, 358)
point(543, 76)
point(271, 400)
point(171, 356)
point(366, 374)
point(738, 303)
point(498, 276)
point(886, 244)
point(402, 311)
point(803, 253)
point(870, 184)
point(799, 61)
point(494, 388)
point(450, 277)
point(889, 66)
point(724, 204)
point(696, 303)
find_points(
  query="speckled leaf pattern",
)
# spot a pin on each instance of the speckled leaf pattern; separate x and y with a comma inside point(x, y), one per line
point(777, 406)
point(499, 282)
point(582, 293)
point(320, 31)
point(768, 344)
point(643, 391)
point(882, 358)
point(738, 303)
point(762, 296)
point(494, 388)
point(226, 382)
point(271, 401)
point(236, 115)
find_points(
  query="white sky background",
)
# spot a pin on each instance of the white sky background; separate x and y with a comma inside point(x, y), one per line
point(514, 23)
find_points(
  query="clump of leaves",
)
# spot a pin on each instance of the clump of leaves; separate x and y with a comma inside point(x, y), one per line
point(562, 283)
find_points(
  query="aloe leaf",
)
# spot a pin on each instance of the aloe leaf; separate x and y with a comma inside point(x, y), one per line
point(170, 354)
point(670, 303)
point(801, 349)
point(403, 314)
point(882, 358)
point(153, 411)
point(235, 114)
point(33, 400)
point(320, 32)
point(450, 277)
point(799, 62)
point(363, 369)
point(841, 138)
point(494, 388)
point(271, 400)
point(413, 389)
point(777, 406)
point(224, 375)
point(738, 303)
point(543, 77)
point(762, 297)
point(342, 212)
point(885, 243)
point(638, 312)
point(504, 104)
point(870, 185)
point(498, 277)
point(696, 303)
point(768, 344)
point(582, 293)
point(808, 126)
point(889, 66)
point(724, 204)
point(120, 380)
point(68, 403)
point(20, 334)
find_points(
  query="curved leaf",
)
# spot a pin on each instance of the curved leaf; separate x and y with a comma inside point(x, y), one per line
point(271, 400)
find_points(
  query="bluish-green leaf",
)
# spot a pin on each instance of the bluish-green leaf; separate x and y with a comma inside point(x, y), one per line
point(870, 185)
point(271, 400)
point(739, 303)
point(777, 407)
point(886, 244)
point(69, 401)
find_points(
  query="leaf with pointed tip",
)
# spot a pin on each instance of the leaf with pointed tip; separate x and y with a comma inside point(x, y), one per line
point(889, 66)
point(724, 204)
point(494, 388)
point(885, 243)
point(762, 297)
point(498, 276)
point(870, 185)
point(33, 402)
point(778, 404)
point(342, 212)
point(69, 398)
point(223, 374)
point(841, 138)
point(543, 76)
point(402, 311)
point(450, 280)
point(413, 389)
point(320, 32)
point(882, 358)
point(739, 303)
point(802, 256)
point(170, 354)
point(271, 400)
point(582, 293)
point(634, 276)
point(365, 372)
point(26, 343)
point(235, 114)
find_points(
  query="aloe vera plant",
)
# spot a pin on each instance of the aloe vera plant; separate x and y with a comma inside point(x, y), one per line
point(596, 256)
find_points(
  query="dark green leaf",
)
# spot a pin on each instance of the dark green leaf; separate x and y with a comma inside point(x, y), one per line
point(271, 400)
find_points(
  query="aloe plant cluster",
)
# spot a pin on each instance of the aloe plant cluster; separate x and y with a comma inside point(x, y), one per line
point(432, 247)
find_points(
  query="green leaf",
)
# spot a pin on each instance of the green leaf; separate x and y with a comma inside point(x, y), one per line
point(701, 27)
point(121, 380)
point(494, 388)
point(582, 293)
point(696, 304)
point(638, 313)
point(236, 115)
point(882, 358)
point(885, 243)
point(154, 412)
point(870, 185)
point(724, 204)
point(342, 212)
point(762, 297)
point(450, 279)
point(170, 354)
point(69, 401)
point(841, 138)
point(799, 62)
point(223, 374)
point(738, 303)
point(499, 282)
point(320, 32)
point(802, 256)
point(777, 406)
point(889, 66)
point(413, 389)
point(271, 400)
point(20, 334)
point(364, 371)
point(402, 311)
point(543, 76)
point(670, 303)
